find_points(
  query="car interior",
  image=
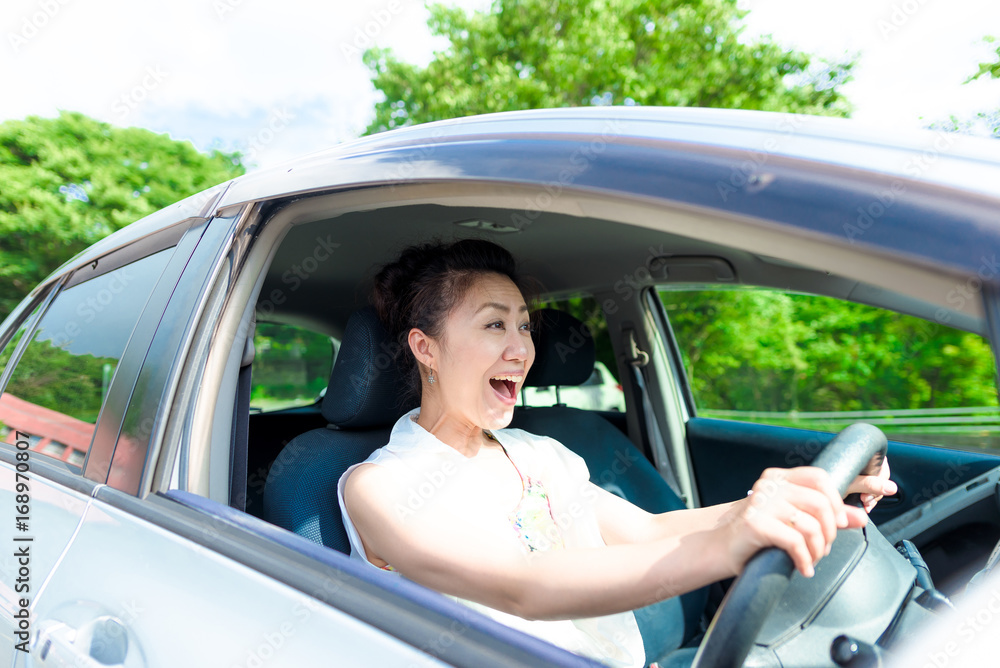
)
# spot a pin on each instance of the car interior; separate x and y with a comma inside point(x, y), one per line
point(311, 266)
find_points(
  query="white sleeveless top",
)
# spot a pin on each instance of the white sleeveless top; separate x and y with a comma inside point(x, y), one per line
point(612, 639)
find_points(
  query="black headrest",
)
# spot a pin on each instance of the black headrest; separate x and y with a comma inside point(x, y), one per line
point(564, 350)
point(366, 386)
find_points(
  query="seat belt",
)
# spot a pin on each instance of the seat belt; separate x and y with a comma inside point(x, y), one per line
point(638, 359)
point(241, 425)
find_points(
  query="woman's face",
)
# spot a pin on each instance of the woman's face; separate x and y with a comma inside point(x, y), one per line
point(484, 354)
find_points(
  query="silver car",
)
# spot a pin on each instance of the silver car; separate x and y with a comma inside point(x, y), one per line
point(169, 476)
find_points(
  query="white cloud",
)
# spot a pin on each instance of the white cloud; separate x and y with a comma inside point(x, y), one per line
point(914, 54)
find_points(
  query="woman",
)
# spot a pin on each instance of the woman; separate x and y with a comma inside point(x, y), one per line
point(507, 521)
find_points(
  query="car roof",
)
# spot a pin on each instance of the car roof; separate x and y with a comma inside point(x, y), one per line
point(924, 198)
point(934, 195)
point(943, 158)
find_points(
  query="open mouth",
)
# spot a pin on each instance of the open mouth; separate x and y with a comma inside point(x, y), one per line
point(505, 386)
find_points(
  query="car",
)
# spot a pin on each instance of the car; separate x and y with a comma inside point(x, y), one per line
point(600, 392)
point(178, 400)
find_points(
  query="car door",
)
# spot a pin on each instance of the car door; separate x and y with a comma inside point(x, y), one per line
point(86, 581)
point(34, 502)
point(771, 375)
point(58, 367)
point(174, 577)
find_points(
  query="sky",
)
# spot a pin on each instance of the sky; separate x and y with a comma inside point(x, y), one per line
point(279, 80)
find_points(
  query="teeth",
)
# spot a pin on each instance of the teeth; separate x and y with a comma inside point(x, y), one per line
point(513, 379)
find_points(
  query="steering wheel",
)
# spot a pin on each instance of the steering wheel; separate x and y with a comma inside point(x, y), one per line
point(756, 591)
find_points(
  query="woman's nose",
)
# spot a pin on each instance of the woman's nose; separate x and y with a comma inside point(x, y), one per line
point(518, 347)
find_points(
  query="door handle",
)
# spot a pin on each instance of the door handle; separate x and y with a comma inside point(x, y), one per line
point(101, 642)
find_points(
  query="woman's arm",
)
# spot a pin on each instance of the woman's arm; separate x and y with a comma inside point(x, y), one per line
point(449, 552)
point(623, 522)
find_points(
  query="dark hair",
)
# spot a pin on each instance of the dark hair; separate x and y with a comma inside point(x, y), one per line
point(425, 283)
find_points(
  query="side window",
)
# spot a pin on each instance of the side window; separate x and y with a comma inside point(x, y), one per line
point(7, 414)
point(815, 362)
point(291, 367)
point(8, 350)
point(58, 386)
point(601, 391)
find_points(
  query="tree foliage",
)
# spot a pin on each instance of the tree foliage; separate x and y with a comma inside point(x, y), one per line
point(524, 54)
point(765, 350)
point(990, 68)
point(66, 182)
point(292, 366)
point(49, 376)
point(984, 122)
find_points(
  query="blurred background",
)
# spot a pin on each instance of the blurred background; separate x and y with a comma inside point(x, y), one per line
point(113, 109)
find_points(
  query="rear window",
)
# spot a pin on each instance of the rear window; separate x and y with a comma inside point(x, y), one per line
point(291, 367)
point(60, 382)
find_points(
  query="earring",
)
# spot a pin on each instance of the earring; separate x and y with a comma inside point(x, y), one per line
point(430, 377)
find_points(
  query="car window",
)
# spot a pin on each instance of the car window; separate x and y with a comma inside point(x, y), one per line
point(601, 391)
point(58, 386)
point(816, 362)
point(291, 366)
point(7, 433)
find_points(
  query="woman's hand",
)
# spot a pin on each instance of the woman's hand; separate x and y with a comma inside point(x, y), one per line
point(797, 510)
point(873, 487)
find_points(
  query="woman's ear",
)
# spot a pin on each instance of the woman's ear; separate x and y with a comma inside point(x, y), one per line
point(422, 347)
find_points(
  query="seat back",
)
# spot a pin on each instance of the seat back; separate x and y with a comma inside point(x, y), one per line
point(361, 404)
point(565, 355)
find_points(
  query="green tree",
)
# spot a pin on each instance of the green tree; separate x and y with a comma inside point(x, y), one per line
point(984, 122)
point(57, 379)
point(524, 54)
point(763, 350)
point(990, 68)
point(66, 182)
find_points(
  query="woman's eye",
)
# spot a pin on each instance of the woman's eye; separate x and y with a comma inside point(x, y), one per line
point(527, 327)
point(495, 325)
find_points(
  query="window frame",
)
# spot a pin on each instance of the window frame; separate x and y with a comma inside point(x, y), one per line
point(149, 393)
